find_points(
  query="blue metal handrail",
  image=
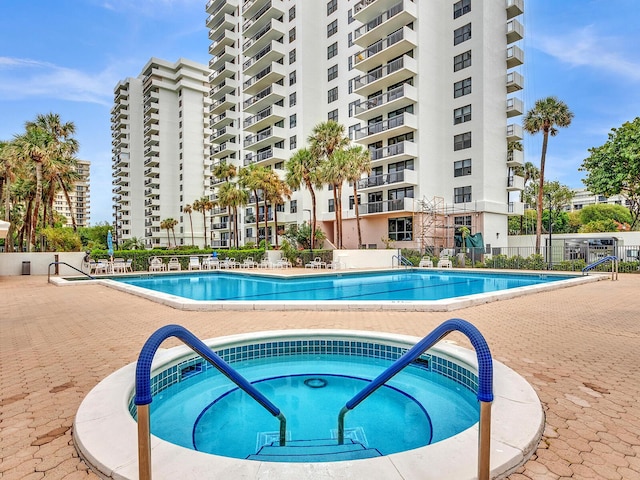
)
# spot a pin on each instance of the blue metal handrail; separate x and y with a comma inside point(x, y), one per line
point(608, 258)
point(70, 266)
point(402, 260)
point(485, 382)
point(143, 395)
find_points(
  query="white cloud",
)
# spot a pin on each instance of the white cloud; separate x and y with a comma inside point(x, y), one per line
point(22, 78)
point(585, 48)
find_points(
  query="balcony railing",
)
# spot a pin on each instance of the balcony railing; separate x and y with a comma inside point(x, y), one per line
point(380, 19)
point(388, 151)
point(378, 73)
point(249, 159)
point(388, 124)
point(381, 207)
point(251, 139)
point(378, 46)
point(257, 117)
point(253, 19)
point(379, 180)
point(373, 102)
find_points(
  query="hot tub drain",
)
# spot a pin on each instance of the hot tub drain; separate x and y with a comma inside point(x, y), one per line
point(315, 382)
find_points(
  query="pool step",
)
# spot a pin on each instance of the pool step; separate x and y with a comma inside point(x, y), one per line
point(314, 451)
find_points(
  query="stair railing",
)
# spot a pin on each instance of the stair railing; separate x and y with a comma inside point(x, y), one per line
point(485, 383)
point(70, 266)
point(609, 258)
point(143, 397)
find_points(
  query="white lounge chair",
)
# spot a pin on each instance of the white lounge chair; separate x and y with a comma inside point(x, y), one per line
point(249, 263)
point(264, 263)
point(426, 262)
point(194, 263)
point(174, 264)
point(444, 262)
point(316, 263)
point(156, 264)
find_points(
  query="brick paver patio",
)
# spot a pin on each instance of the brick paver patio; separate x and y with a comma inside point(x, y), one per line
point(579, 347)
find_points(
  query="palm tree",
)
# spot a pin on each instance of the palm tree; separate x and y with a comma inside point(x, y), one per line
point(530, 173)
point(203, 205)
point(334, 172)
point(276, 190)
point(188, 209)
point(547, 114)
point(165, 224)
point(358, 162)
point(252, 177)
point(233, 197)
point(303, 168)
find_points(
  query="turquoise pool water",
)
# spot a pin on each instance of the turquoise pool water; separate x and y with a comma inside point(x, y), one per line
point(417, 407)
point(396, 285)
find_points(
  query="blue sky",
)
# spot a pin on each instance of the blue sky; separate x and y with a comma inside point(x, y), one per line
point(66, 56)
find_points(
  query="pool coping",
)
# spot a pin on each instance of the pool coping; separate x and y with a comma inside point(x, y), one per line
point(444, 305)
point(105, 434)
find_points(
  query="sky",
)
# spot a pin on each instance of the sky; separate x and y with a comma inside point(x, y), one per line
point(66, 56)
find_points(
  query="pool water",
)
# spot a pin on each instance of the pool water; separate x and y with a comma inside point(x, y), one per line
point(206, 412)
point(401, 286)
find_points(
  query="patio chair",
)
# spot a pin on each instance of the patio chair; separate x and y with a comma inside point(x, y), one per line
point(128, 265)
point(174, 264)
point(156, 264)
point(283, 263)
point(194, 263)
point(249, 263)
point(264, 263)
point(425, 262)
point(316, 263)
point(334, 264)
point(444, 262)
point(119, 265)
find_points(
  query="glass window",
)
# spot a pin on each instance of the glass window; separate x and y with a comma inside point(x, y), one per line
point(292, 78)
point(292, 34)
point(293, 120)
point(332, 50)
point(333, 115)
point(332, 6)
point(462, 34)
point(331, 205)
point(292, 13)
point(293, 206)
point(462, 61)
point(463, 87)
point(462, 194)
point(332, 28)
point(461, 7)
point(292, 56)
point(462, 141)
point(462, 114)
point(332, 95)
point(332, 73)
point(401, 229)
point(293, 142)
point(293, 99)
point(464, 220)
point(462, 168)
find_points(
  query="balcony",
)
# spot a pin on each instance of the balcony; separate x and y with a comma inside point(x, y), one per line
point(514, 8)
point(228, 85)
point(250, 7)
point(515, 183)
point(269, 32)
point(151, 119)
point(385, 206)
point(152, 191)
point(216, 9)
point(222, 120)
point(153, 172)
point(261, 100)
point(222, 104)
point(404, 178)
point(275, 154)
point(152, 162)
point(264, 138)
point(389, 74)
point(270, 115)
point(266, 12)
point(514, 132)
point(151, 140)
point(225, 133)
point(393, 99)
point(515, 31)
point(515, 107)
point(220, 226)
point(515, 56)
point(515, 82)
point(225, 55)
point(398, 125)
point(264, 78)
point(395, 153)
point(515, 158)
point(366, 10)
point(399, 15)
point(272, 52)
point(151, 129)
point(224, 39)
point(226, 22)
point(386, 49)
point(515, 208)
point(224, 149)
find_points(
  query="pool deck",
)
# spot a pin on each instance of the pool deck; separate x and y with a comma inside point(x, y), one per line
point(579, 347)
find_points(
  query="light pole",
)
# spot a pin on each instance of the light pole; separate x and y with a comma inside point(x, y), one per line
point(310, 233)
point(550, 259)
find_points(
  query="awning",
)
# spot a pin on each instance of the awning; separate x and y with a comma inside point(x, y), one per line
point(4, 228)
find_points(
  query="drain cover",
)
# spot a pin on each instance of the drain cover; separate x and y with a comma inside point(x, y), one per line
point(315, 382)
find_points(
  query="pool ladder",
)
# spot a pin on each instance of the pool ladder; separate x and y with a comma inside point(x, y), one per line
point(143, 396)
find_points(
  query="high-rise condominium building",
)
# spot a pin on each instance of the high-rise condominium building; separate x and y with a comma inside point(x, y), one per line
point(160, 132)
point(428, 87)
point(78, 197)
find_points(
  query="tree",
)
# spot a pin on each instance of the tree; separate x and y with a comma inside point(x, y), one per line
point(614, 167)
point(303, 168)
point(275, 191)
point(547, 114)
point(232, 196)
point(189, 210)
point(203, 205)
point(169, 224)
point(608, 216)
point(358, 162)
point(252, 178)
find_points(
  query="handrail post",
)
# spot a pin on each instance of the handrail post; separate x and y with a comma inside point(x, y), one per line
point(484, 441)
point(144, 443)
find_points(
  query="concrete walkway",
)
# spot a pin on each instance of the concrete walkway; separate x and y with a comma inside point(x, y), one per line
point(579, 347)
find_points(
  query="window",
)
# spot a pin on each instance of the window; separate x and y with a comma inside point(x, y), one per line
point(292, 13)
point(352, 202)
point(461, 7)
point(292, 56)
point(462, 61)
point(333, 115)
point(350, 16)
point(400, 193)
point(462, 168)
point(292, 34)
point(279, 166)
point(352, 131)
point(332, 50)
point(332, 73)
point(332, 28)
point(462, 221)
point(401, 228)
point(462, 34)
point(331, 205)
point(293, 206)
point(293, 120)
point(332, 6)
point(332, 95)
point(463, 87)
point(293, 142)
point(462, 141)
point(462, 194)
point(292, 78)
point(462, 114)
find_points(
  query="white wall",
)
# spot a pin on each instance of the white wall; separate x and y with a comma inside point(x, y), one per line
point(11, 263)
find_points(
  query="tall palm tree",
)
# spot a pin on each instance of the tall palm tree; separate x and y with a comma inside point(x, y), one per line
point(203, 205)
point(7, 175)
point(165, 225)
point(232, 196)
point(547, 114)
point(276, 190)
point(358, 162)
point(252, 178)
point(303, 168)
point(334, 172)
point(189, 210)
point(531, 174)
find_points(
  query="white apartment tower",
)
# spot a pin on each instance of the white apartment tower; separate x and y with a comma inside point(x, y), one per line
point(429, 87)
point(160, 131)
point(78, 196)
